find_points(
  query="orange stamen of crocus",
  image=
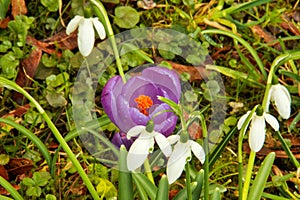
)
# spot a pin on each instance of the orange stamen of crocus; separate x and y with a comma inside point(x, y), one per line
point(144, 103)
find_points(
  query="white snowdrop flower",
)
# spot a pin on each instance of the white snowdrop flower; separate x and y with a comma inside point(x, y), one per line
point(86, 34)
point(281, 98)
point(258, 128)
point(180, 155)
point(144, 145)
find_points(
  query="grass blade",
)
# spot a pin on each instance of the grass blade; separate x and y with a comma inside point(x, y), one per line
point(40, 145)
point(10, 189)
point(260, 180)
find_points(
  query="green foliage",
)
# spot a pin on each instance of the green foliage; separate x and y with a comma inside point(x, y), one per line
point(51, 5)
point(34, 184)
point(19, 28)
point(4, 4)
point(4, 159)
point(126, 17)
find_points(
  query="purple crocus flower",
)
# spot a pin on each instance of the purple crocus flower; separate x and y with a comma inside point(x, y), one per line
point(135, 102)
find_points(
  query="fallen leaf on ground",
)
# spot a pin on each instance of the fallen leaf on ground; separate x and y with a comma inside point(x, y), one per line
point(18, 7)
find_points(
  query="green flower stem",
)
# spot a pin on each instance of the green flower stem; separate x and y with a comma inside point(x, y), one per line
point(102, 14)
point(11, 85)
point(148, 171)
point(244, 43)
point(10, 189)
point(248, 175)
point(240, 152)
point(188, 181)
point(206, 150)
point(275, 63)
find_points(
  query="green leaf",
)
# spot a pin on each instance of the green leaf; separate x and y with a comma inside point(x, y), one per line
point(8, 65)
point(50, 197)
point(234, 74)
point(216, 194)
point(194, 59)
point(126, 17)
point(289, 74)
point(4, 159)
point(49, 61)
point(57, 80)
point(182, 195)
point(56, 100)
point(175, 107)
point(260, 180)
point(106, 189)
point(125, 191)
point(199, 180)
point(41, 178)
point(51, 5)
point(4, 4)
point(5, 46)
point(28, 181)
point(163, 189)
point(148, 186)
point(34, 191)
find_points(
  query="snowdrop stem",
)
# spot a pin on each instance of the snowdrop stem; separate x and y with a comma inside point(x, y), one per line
point(102, 14)
point(148, 171)
point(240, 150)
point(188, 181)
point(248, 174)
point(206, 150)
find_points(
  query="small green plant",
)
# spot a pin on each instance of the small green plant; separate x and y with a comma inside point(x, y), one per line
point(35, 184)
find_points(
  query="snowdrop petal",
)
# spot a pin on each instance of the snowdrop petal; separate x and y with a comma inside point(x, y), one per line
point(73, 24)
point(86, 37)
point(272, 121)
point(163, 144)
point(242, 120)
point(282, 100)
point(99, 28)
point(198, 151)
point(176, 163)
point(257, 133)
point(173, 139)
point(135, 131)
point(138, 152)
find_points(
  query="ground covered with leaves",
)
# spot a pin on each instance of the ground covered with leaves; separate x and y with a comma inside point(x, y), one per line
point(240, 40)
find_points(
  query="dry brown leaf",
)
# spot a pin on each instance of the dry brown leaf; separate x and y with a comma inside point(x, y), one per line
point(27, 69)
point(4, 22)
point(196, 73)
point(3, 173)
point(264, 34)
point(18, 166)
point(18, 7)
point(63, 41)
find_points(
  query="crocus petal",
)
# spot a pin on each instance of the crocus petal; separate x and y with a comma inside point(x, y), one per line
point(73, 24)
point(176, 162)
point(198, 151)
point(99, 28)
point(86, 36)
point(119, 139)
point(124, 115)
point(242, 120)
point(135, 131)
point(167, 80)
point(272, 121)
point(138, 117)
point(163, 144)
point(109, 94)
point(138, 152)
point(282, 100)
point(257, 133)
